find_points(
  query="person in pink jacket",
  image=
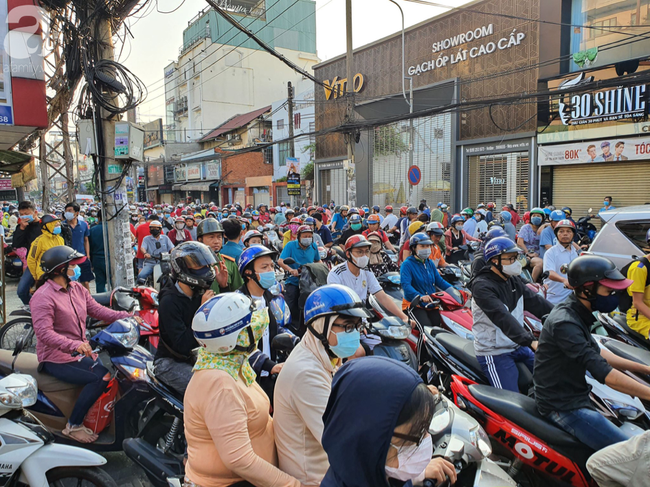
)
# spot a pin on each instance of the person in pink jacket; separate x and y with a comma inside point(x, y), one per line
point(59, 309)
point(454, 238)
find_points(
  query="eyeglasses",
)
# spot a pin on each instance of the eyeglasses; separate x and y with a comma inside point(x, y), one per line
point(413, 439)
point(349, 327)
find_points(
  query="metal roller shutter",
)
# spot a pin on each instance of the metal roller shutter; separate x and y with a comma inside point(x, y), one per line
point(583, 186)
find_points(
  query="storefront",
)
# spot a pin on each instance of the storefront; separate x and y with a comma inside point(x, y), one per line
point(331, 183)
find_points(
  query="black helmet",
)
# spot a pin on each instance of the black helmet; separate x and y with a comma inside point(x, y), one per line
point(193, 264)
point(588, 269)
point(49, 219)
point(60, 257)
point(412, 210)
point(209, 225)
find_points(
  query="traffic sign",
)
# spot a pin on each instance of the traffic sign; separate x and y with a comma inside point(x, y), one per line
point(414, 175)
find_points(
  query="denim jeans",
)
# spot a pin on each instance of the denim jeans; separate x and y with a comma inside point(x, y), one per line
point(24, 285)
point(147, 270)
point(623, 464)
point(86, 372)
point(588, 426)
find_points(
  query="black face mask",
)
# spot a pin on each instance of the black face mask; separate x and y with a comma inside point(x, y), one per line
point(155, 232)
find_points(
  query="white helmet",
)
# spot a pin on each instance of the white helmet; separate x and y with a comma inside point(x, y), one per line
point(217, 322)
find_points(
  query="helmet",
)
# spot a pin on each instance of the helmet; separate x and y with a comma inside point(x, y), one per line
point(373, 236)
point(416, 227)
point(179, 219)
point(419, 239)
point(490, 206)
point(467, 211)
point(289, 211)
point(506, 216)
point(333, 299)
point(272, 210)
point(564, 224)
point(309, 221)
point(373, 219)
point(436, 228)
point(59, 257)
point(376, 208)
point(388, 208)
point(209, 225)
point(443, 207)
point(557, 216)
point(412, 210)
point(219, 321)
point(356, 241)
point(304, 229)
point(495, 223)
point(353, 211)
point(457, 219)
point(362, 212)
point(482, 212)
point(494, 233)
point(253, 252)
point(49, 219)
point(303, 210)
point(295, 221)
point(480, 205)
point(247, 215)
point(588, 269)
point(355, 219)
point(186, 257)
point(198, 215)
point(537, 211)
point(547, 211)
point(499, 246)
point(250, 234)
point(567, 210)
point(255, 213)
point(344, 208)
point(403, 209)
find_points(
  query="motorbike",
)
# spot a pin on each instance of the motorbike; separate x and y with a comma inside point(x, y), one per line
point(392, 285)
point(615, 325)
point(13, 265)
point(629, 352)
point(126, 361)
point(311, 278)
point(161, 269)
point(29, 454)
point(585, 229)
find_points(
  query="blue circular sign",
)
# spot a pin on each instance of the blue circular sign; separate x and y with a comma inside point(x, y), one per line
point(414, 175)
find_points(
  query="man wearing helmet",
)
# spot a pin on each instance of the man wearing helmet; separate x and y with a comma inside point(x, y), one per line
point(340, 219)
point(390, 220)
point(528, 241)
point(436, 231)
point(411, 216)
point(227, 278)
point(567, 351)
point(547, 232)
point(192, 274)
point(373, 226)
point(562, 253)
point(355, 227)
point(499, 300)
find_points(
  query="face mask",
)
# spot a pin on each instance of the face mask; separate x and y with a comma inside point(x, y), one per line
point(424, 253)
point(28, 218)
point(76, 275)
point(361, 262)
point(513, 269)
point(459, 227)
point(155, 232)
point(348, 343)
point(376, 247)
point(306, 242)
point(605, 304)
point(243, 226)
point(167, 215)
point(180, 226)
point(606, 203)
point(355, 226)
point(69, 215)
point(412, 460)
point(267, 279)
point(56, 231)
point(537, 221)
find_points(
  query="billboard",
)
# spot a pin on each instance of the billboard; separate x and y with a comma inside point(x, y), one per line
point(153, 133)
point(595, 151)
point(246, 8)
point(293, 176)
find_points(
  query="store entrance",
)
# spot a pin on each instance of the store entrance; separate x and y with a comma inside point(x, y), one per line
point(500, 178)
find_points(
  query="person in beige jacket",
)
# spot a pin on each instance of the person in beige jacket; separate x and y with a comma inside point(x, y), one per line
point(333, 315)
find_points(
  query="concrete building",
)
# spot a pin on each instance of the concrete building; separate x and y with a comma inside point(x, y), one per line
point(221, 73)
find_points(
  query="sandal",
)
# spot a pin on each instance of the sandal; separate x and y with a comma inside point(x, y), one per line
point(79, 433)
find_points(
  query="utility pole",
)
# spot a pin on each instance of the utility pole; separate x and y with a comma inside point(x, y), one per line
point(351, 188)
point(292, 145)
point(117, 237)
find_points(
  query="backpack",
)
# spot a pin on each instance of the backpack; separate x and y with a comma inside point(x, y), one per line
point(624, 298)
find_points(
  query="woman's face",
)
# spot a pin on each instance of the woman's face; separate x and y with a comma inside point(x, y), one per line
point(402, 440)
point(342, 324)
point(254, 241)
point(376, 246)
point(71, 269)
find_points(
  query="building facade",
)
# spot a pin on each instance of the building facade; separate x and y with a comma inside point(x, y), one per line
point(221, 73)
point(472, 141)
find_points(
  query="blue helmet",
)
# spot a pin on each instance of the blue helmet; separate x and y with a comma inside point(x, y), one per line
point(251, 253)
point(547, 211)
point(356, 218)
point(557, 215)
point(457, 219)
point(506, 216)
point(420, 239)
point(334, 299)
point(309, 221)
point(499, 246)
point(495, 232)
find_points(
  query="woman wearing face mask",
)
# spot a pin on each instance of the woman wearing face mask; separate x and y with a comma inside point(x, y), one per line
point(49, 238)
point(420, 277)
point(391, 446)
point(59, 309)
point(179, 233)
point(257, 268)
point(528, 241)
point(333, 315)
point(380, 261)
point(290, 231)
point(454, 238)
point(355, 227)
point(228, 428)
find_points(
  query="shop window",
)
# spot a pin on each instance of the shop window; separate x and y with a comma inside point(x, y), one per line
point(284, 150)
point(501, 179)
point(635, 232)
point(280, 124)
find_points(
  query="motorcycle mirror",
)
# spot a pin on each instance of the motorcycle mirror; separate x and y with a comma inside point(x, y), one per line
point(289, 261)
point(415, 302)
point(545, 275)
point(564, 268)
point(283, 342)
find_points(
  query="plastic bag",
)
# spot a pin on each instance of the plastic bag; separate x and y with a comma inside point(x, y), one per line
point(101, 413)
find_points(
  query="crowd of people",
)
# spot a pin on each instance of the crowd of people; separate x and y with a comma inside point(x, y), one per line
point(223, 299)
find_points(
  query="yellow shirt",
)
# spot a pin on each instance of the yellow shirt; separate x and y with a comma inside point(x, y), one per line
point(638, 272)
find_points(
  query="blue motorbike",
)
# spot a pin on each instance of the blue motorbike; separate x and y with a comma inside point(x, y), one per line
point(118, 350)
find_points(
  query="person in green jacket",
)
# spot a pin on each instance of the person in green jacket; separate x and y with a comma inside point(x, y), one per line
point(210, 232)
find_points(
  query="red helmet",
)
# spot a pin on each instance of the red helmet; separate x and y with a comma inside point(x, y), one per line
point(179, 219)
point(304, 229)
point(296, 221)
point(491, 206)
point(272, 209)
point(356, 241)
point(361, 212)
point(373, 219)
point(564, 224)
point(403, 209)
point(388, 208)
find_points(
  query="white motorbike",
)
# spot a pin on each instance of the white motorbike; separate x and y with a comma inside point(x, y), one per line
point(28, 454)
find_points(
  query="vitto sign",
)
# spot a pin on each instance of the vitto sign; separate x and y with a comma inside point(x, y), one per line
point(462, 55)
point(339, 86)
point(604, 106)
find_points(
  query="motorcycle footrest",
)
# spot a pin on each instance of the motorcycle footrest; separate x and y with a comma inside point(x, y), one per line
point(158, 466)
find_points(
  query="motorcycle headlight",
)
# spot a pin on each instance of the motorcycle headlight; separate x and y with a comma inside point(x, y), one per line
point(627, 411)
point(458, 329)
point(154, 298)
point(134, 373)
point(395, 332)
point(395, 280)
point(129, 338)
point(480, 440)
point(21, 395)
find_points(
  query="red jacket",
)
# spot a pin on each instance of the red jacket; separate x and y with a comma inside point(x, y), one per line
point(173, 234)
point(448, 244)
point(140, 233)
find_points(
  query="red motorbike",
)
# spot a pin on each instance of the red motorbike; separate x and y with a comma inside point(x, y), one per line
point(537, 451)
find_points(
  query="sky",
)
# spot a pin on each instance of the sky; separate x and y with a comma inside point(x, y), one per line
point(157, 36)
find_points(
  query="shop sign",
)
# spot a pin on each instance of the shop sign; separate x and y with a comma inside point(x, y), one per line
point(194, 171)
point(462, 55)
point(5, 185)
point(153, 133)
point(338, 87)
point(293, 176)
point(595, 151)
point(180, 173)
point(213, 171)
point(604, 106)
point(506, 147)
point(330, 165)
point(247, 8)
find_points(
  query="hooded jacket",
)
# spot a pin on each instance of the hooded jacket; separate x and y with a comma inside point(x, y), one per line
point(357, 449)
point(420, 278)
point(300, 398)
point(46, 241)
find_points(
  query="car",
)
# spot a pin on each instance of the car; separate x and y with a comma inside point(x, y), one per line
point(622, 236)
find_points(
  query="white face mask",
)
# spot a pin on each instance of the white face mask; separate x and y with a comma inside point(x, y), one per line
point(424, 253)
point(513, 269)
point(361, 262)
point(180, 226)
point(412, 460)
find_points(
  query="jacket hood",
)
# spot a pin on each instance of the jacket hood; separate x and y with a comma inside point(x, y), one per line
point(377, 388)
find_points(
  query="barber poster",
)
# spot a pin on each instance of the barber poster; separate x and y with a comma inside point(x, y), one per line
point(595, 151)
point(293, 176)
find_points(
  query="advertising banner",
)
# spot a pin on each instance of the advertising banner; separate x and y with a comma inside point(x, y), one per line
point(194, 171)
point(153, 133)
point(595, 151)
point(293, 176)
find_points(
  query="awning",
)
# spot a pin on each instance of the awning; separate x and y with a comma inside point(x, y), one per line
point(152, 188)
point(13, 161)
point(216, 184)
point(177, 187)
point(202, 186)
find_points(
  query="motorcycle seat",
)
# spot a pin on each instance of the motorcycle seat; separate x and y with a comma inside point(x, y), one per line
point(522, 411)
point(27, 363)
point(628, 352)
point(160, 384)
point(621, 319)
point(103, 298)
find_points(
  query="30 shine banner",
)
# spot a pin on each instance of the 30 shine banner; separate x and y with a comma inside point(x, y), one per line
point(595, 151)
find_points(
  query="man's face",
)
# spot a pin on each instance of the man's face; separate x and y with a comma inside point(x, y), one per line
point(213, 240)
point(606, 150)
point(592, 152)
point(360, 252)
point(71, 210)
point(412, 216)
point(190, 223)
point(263, 264)
point(619, 150)
point(254, 241)
point(435, 238)
point(564, 236)
point(27, 212)
point(373, 227)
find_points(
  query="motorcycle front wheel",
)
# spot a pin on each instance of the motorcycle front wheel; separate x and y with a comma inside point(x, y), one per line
point(79, 477)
